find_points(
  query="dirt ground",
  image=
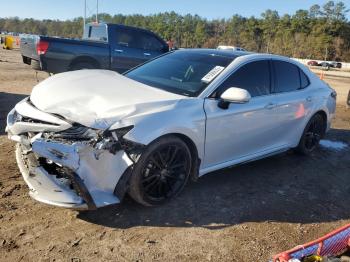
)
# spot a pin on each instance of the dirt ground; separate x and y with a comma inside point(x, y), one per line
point(245, 213)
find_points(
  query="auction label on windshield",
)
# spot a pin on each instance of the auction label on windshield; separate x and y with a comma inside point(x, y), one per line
point(212, 74)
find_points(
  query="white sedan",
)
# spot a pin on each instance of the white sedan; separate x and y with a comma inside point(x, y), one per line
point(88, 137)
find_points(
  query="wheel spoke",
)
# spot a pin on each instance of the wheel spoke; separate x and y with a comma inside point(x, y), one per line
point(168, 154)
point(170, 162)
point(176, 166)
point(317, 137)
point(156, 163)
point(151, 184)
point(148, 178)
point(162, 161)
point(178, 178)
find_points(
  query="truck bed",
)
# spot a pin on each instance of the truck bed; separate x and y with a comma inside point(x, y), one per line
point(63, 53)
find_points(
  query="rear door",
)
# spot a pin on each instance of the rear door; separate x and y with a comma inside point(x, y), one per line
point(133, 47)
point(293, 100)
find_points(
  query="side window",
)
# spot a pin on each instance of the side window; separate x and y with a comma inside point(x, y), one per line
point(128, 38)
point(287, 77)
point(253, 77)
point(138, 39)
point(304, 80)
point(150, 42)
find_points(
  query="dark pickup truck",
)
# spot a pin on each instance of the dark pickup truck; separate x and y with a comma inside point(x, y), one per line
point(104, 46)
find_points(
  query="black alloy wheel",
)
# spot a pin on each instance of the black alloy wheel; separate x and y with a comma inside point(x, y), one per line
point(161, 172)
point(313, 133)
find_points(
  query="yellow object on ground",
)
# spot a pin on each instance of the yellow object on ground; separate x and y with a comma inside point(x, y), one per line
point(313, 259)
point(8, 42)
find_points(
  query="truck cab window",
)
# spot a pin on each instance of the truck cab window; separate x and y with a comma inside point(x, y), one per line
point(98, 33)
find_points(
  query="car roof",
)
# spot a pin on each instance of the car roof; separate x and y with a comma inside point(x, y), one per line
point(216, 52)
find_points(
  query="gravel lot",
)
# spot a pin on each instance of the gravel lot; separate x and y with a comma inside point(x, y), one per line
point(245, 213)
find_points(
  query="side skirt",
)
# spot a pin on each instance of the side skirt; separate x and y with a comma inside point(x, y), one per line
point(245, 159)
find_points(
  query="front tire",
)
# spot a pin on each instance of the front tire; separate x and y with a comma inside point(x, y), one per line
point(313, 132)
point(161, 172)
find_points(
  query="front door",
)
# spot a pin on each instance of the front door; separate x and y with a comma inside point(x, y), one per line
point(242, 129)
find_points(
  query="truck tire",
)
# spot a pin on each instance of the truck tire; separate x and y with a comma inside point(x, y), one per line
point(82, 65)
point(35, 65)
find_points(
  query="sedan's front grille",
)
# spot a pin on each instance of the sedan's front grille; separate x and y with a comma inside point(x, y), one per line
point(75, 132)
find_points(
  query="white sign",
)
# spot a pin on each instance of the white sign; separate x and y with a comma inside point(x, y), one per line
point(212, 74)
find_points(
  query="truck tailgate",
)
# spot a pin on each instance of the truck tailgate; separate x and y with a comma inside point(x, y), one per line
point(28, 45)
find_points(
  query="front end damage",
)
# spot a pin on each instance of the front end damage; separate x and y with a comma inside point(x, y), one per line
point(66, 164)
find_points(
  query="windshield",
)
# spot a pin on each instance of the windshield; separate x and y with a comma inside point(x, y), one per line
point(181, 72)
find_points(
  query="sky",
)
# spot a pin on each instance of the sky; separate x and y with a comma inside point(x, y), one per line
point(210, 9)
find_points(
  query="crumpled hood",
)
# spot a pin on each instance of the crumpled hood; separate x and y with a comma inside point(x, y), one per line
point(99, 98)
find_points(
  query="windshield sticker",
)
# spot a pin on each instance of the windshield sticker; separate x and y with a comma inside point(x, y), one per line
point(212, 74)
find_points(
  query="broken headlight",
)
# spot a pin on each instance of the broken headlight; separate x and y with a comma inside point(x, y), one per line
point(120, 132)
point(111, 140)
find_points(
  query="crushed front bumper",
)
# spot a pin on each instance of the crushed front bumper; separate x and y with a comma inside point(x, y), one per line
point(66, 174)
point(45, 187)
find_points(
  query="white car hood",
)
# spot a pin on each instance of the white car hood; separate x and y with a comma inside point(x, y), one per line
point(98, 98)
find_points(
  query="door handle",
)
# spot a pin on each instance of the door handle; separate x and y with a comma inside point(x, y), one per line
point(119, 50)
point(309, 99)
point(270, 106)
point(147, 54)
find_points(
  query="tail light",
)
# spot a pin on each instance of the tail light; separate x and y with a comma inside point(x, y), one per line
point(41, 47)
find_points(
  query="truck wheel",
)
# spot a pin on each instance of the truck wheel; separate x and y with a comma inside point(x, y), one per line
point(35, 65)
point(82, 65)
point(161, 172)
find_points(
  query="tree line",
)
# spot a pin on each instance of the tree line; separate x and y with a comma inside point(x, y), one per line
point(322, 32)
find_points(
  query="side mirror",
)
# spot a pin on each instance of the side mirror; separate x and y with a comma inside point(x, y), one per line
point(234, 95)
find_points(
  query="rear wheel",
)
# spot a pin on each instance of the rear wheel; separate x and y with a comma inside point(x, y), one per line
point(314, 131)
point(161, 172)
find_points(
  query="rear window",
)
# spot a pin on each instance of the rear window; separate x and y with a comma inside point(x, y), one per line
point(96, 33)
point(304, 80)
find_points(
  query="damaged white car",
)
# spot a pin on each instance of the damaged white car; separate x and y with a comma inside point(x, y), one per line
point(86, 138)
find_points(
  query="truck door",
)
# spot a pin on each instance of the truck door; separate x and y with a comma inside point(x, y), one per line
point(133, 47)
